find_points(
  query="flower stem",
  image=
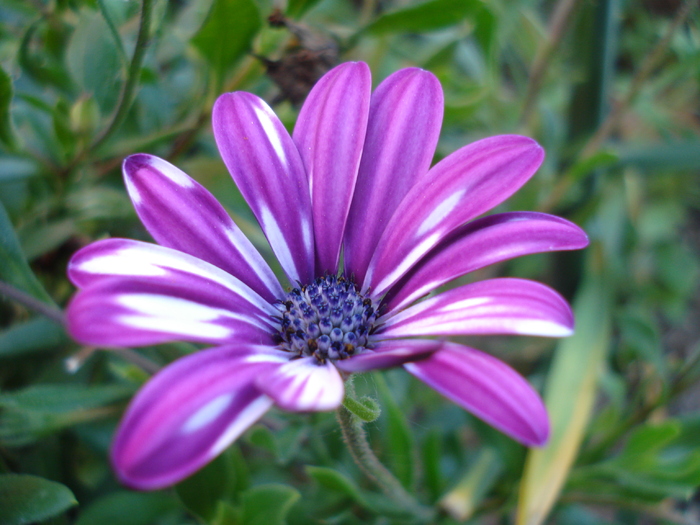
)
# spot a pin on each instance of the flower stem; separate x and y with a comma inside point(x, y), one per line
point(355, 438)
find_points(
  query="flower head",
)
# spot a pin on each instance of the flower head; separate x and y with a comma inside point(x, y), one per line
point(352, 183)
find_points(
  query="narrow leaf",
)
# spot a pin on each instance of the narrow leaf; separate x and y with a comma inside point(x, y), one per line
point(570, 393)
point(427, 16)
point(463, 500)
point(14, 268)
point(34, 336)
point(7, 129)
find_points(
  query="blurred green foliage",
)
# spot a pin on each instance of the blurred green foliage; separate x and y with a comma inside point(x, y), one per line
point(609, 88)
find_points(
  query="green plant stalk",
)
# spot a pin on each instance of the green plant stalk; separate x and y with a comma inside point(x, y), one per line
point(355, 438)
point(132, 79)
point(33, 304)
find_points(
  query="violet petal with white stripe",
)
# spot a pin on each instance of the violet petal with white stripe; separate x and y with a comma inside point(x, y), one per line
point(330, 133)
point(487, 241)
point(168, 433)
point(465, 184)
point(304, 385)
point(180, 214)
point(404, 125)
point(488, 388)
point(496, 306)
point(267, 168)
point(139, 311)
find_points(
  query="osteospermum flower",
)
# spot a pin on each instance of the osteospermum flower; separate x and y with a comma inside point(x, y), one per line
point(352, 183)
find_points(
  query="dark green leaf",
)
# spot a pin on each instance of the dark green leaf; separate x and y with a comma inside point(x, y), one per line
point(16, 168)
point(7, 128)
point(14, 268)
point(267, 504)
point(128, 508)
point(94, 61)
point(428, 16)
point(297, 8)
point(202, 492)
point(222, 45)
point(39, 65)
point(431, 464)
point(56, 399)
point(36, 335)
point(30, 499)
point(38, 411)
point(46, 237)
point(333, 480)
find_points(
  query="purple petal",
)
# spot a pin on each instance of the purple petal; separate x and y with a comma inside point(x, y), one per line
point(330, 134)
point(268, 170)
point(496, 306)
point(467, 183)
point(303, 385)
point(128, 258)
point(483, 242)
point(404, 125)
point(488, 388)
point(188, 413)
point(139, 311)
point(180, 213)
point(390, 354)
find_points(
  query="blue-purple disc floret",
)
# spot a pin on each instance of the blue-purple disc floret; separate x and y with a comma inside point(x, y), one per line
point(327, 319)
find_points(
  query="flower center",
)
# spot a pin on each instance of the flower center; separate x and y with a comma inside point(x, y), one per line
point(327, 319)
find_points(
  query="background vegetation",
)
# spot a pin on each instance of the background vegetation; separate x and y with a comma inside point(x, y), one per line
point(608, 87)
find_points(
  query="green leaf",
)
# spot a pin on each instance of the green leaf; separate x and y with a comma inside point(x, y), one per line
point(570, 393)
point(30, 499)
point(297, 8)
point(34, 336)
point(428, 16)
point(128, 508)
point(17, 168)
point(202, 492)
point(57, 399)
point(431, 463)
point(267, 504)
point(40, 65)
point(222, 45)
point(93, 60)
point(14, 268)
point(38, 411)
point(47, 237)
point(401, 442)
point(7, 128)
point(333, 480)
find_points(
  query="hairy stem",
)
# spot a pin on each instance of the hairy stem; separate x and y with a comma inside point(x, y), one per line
point(355, 438)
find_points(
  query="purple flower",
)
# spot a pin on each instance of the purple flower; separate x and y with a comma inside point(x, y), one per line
point(352, 183)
